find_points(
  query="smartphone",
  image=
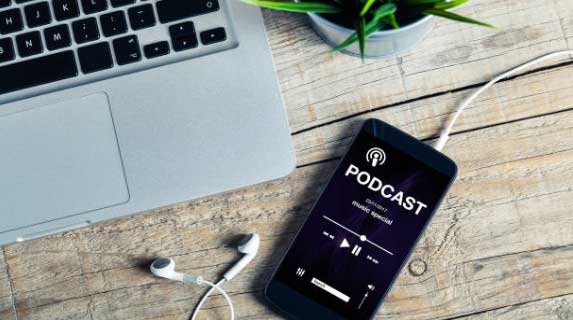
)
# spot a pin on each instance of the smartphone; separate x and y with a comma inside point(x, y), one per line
point(363, 227)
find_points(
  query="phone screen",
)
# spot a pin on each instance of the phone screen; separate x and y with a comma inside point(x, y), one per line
point(363, 227)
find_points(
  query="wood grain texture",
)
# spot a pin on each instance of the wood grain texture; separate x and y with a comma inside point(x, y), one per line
point(5, 289)
point(559, 308)
point(527, 96)
point(6, 299)
point(500, 247)
point(320, 86)
point(7, 311)
point(564, 11)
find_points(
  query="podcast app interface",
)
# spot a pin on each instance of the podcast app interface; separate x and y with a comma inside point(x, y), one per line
point(362, 228)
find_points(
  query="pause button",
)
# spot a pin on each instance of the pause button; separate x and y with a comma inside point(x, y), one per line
point(356, 250)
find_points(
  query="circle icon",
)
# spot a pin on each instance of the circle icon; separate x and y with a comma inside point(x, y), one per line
point(376, 156)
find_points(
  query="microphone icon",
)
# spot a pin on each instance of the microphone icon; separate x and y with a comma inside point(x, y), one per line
point(376, 157)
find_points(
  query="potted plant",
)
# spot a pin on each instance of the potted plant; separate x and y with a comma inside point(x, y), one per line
point(371, 28)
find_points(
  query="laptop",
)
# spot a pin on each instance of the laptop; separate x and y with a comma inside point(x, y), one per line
point(112, 107)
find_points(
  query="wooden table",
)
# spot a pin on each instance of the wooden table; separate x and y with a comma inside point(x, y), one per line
point(500, 247)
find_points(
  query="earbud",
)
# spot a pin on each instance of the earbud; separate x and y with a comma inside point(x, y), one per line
point(165, 268)
point(249, 246)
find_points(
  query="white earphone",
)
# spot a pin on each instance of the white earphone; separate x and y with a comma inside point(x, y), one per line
point(165, 268)
point(249, 246)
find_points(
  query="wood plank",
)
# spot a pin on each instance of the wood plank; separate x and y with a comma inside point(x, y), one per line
point(484, 283)
point(506, 225)
point(5, 289)
point(65, 264)
point(320, 86)
point(524, 97)
point(548, 309)
point(459, 55)
point(7, 311)
point(565, 13)
point(6, 300)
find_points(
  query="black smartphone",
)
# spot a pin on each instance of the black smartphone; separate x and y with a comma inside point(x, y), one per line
point(363, 227)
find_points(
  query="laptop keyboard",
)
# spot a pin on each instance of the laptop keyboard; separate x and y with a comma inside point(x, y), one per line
point(60, 43)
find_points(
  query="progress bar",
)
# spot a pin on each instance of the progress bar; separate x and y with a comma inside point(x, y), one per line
point(360, 236)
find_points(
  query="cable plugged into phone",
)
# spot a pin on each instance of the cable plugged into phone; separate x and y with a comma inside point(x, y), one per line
point(445, 133)
point(165, 268)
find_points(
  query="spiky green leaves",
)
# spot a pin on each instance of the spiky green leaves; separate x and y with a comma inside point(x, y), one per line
point(370, 16)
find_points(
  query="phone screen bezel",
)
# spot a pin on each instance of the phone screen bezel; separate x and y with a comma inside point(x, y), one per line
point(299, 306)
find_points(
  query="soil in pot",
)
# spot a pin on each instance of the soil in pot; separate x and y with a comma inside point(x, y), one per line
point(404, 16)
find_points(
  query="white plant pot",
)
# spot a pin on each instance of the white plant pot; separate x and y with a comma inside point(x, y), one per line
point(379, 44)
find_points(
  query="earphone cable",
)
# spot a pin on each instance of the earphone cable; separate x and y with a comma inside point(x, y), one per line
point(445, 133)
point(213, 286)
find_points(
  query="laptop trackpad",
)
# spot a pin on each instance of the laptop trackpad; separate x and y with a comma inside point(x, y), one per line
point(57, 161)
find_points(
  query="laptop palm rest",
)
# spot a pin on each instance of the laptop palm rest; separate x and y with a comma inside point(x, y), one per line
point(57, 161)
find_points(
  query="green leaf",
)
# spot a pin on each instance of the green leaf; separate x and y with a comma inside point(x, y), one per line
point(456, 17)
point(449, 4)
point(318, 7)
point(374, 25)
point(346, 43)
point(392, 21)
point(366, 7)
point(361, 37)
point(369, 29)
point(384, 10)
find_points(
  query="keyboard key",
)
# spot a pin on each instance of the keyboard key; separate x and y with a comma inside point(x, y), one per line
point(85, 30)
point(93, 6)
point(57, 37)
point(172, 10)
point(35, 72)
point(66, 9)
point(156, 49)
point(38, 14)
point(113, 23)
point(22, 1)
point(213, 36)
point(126, 50)
point(183, 36)
point(141, 17)
point(29, 43)
point(184, 42)
point(10, 21)
point(120, 3)
point(4, 3)
point(95, 57)
point(6, 50)
point(182, 29)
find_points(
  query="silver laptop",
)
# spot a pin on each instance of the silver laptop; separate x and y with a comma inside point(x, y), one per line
point(112, 107)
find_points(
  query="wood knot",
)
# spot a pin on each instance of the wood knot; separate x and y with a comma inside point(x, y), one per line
point(417, 267)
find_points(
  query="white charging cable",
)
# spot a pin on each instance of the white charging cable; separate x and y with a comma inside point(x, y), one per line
point(213, 287)
point(445, 133)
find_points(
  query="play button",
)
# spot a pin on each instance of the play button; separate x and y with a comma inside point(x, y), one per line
point(344, 244)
